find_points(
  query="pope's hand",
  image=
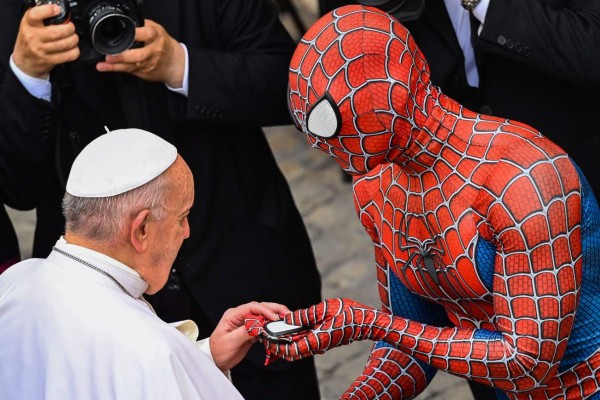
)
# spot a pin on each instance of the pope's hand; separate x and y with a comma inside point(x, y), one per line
point(39, 48)
point(333, 322)
point(161, 59)
point(230, 342)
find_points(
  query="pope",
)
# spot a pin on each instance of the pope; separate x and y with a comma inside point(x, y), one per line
point(76, 326)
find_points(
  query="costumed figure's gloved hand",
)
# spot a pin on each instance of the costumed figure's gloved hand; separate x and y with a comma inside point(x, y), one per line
point(255, 327)
point(336, 322)
point(333, 323)
point(229, 342)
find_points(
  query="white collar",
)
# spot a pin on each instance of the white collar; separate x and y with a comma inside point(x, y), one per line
point(124, 275)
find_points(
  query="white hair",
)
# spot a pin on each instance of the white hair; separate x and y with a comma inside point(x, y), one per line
point(105, 218)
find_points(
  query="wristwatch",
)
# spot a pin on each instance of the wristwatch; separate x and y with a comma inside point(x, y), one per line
point(469, 5)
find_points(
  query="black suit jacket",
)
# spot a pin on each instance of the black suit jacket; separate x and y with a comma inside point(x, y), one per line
point(9, 249)
point(538, 64)
point(247, 240)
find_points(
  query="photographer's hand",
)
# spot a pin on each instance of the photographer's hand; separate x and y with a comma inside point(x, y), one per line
point(39, 48)
point(161, 59)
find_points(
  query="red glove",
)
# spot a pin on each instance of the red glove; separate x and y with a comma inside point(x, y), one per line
point(334, 322)
point(255, 328)
point(389, 374)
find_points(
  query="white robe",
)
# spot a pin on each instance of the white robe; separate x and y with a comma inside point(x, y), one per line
point(69, 332)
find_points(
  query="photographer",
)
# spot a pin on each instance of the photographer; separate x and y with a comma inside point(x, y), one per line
point(161, 59)
point(205, 75)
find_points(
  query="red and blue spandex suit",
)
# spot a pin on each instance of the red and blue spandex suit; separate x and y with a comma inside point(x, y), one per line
point(486, 235)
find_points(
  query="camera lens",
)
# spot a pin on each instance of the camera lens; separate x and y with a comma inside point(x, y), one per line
point(112, 31)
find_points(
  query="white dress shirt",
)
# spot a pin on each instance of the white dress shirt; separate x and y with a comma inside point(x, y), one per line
point(462, 26)
point(42, 88)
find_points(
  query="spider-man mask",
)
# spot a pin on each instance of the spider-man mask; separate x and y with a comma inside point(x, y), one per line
point(358, 87)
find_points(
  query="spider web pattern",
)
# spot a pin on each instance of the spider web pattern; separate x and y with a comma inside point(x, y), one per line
point(436, 179)
point(334, 57)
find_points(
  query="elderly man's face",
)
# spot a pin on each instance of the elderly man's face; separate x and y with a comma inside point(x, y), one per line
point(168, 234)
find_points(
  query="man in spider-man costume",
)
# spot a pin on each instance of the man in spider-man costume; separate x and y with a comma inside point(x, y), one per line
point(486, 235)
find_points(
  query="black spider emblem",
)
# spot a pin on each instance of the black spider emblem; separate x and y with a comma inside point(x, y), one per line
point(425, 257)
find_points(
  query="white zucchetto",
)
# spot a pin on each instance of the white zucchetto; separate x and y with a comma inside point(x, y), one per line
point(119, 161)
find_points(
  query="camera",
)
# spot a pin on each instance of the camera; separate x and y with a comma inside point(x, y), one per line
point(103, 26)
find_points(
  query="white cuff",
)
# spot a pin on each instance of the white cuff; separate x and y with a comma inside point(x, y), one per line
point(183, 90)
point(190, 331)
point(40, 88)
point(204, 347)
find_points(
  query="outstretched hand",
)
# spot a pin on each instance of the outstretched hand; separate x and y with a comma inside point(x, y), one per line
point(230, 342)
point(333, 322)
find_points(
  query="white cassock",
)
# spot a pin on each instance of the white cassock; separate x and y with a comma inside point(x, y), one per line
point(68, 331)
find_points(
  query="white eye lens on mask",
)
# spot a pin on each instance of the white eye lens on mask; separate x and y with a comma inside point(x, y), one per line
point(324, 119)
